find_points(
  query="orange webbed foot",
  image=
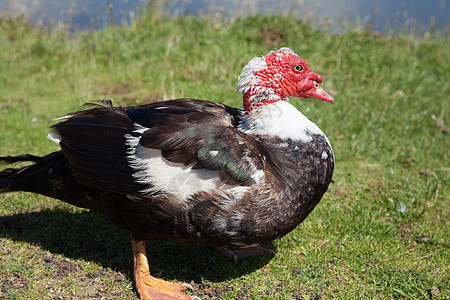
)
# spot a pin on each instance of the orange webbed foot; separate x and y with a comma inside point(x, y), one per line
point(151, 288)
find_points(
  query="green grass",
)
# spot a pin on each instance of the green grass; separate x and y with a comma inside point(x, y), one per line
point(382, 229)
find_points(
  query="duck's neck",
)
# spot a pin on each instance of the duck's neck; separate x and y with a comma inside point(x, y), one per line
point(279, 120)
point(258, 96)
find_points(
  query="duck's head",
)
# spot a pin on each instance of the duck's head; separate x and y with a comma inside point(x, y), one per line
point(275, 77)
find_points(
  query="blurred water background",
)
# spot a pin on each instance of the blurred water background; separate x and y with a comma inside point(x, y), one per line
point(415, 17)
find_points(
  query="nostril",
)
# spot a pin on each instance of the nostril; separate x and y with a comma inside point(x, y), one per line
point(316, 85)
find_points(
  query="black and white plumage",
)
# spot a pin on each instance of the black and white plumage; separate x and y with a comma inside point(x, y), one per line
point(193, 170)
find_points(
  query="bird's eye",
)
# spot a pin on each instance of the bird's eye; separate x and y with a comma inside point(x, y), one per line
point(298, 68)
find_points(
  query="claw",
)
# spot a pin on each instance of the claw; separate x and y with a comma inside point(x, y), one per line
point(229, 253)
point(270, 252)
point(195, 298)
point(236, 254)
point(188, 286)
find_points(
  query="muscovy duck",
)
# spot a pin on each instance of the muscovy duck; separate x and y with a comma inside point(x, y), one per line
point(193, 170)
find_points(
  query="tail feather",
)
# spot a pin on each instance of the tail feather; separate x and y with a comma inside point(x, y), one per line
point(20, 158)
point(51, 176)
point(7, 176)
point(32, 178)
point(5, 179)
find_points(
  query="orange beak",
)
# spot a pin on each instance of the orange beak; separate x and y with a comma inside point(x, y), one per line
point(318, 92)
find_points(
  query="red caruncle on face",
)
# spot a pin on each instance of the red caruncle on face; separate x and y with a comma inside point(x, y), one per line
point(287, 74)
point(280, 75)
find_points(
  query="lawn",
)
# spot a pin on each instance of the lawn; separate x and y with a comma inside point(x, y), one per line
point(380, 232)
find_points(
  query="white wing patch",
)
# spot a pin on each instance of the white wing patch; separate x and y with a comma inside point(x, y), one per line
point(160, 174)
point(55, 137)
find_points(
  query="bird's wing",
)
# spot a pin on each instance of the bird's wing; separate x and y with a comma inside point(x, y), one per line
point(199, 135)
point(128, 150)
point(93, 141)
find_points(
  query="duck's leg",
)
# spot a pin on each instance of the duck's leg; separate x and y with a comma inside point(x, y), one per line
point(236, 254)
point(149, 287)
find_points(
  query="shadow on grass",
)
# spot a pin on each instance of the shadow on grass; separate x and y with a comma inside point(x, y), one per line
point(88, 236)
